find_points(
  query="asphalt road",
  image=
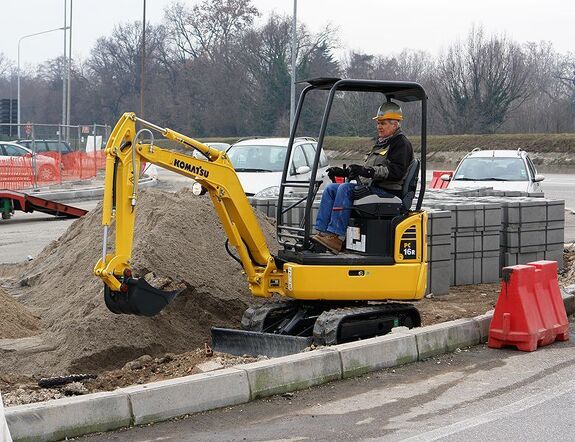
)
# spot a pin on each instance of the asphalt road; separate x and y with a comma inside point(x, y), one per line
point(474, 394)
point(26, 234)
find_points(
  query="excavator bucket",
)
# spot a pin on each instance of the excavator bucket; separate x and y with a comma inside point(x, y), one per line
point(140, 298)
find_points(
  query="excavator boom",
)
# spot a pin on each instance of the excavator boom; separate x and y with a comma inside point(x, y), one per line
point(124, 155)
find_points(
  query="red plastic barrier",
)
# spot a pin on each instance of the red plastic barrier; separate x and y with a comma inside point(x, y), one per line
point(437, 182)
point(530, 311)
point(555, 316)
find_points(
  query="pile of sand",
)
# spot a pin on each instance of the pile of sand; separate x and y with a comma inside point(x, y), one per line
point(15, 319)
point(177, 236)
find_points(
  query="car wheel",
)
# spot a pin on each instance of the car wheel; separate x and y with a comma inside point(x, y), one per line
point(47, 173)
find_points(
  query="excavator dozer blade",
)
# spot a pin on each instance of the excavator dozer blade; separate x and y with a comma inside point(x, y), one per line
point(140, 299)
point(244, 342)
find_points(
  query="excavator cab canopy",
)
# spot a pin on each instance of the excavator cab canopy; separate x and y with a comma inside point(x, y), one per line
point(298, 237)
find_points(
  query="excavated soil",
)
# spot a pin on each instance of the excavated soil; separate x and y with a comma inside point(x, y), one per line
point(15, 319)
point(177, 236)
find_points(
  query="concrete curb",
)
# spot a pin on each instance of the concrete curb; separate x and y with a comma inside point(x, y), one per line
point(175, 397)
point(391, 350)
point(443, 338)
point(293, 372)
point(69, 417)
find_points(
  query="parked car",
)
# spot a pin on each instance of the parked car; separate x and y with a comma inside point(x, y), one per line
point(41, 146)
point(259, 163)
point(46, 167)
point(57, 149)
point(499, 169)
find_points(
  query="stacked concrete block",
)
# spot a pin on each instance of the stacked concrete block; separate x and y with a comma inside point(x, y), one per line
point(292, 218)
point(438, 251)
point(474, 239)
point(267, 206)
point(532, 229)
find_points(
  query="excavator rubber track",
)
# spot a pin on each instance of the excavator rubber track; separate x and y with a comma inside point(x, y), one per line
point(353, 323)
point(287, 327)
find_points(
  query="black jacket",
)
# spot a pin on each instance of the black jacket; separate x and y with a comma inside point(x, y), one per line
point(390, 158)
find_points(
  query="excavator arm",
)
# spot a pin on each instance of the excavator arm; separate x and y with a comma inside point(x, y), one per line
point(124, 155)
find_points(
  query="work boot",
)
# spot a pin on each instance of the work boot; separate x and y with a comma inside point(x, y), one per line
point(330, 241)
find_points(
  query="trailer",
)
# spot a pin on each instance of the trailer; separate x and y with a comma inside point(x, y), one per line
point(10, 201)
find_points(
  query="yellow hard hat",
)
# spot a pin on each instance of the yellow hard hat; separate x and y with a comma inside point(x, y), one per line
point(389, 111)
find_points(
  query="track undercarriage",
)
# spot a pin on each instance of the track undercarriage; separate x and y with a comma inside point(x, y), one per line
point(286, 327)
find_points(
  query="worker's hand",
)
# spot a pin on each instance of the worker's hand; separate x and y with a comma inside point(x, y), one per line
point(335, 171)
point(356, 170)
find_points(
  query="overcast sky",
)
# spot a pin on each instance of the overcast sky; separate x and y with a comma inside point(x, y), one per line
point(371, 26)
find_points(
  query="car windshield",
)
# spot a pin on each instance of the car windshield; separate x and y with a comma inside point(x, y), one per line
point(491, 169)
point(249, 158)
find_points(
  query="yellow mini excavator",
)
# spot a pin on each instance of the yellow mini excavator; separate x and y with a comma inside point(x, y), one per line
point(323, 298)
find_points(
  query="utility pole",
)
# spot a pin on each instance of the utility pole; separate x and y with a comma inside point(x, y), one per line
point(142, 67)
point(69, 76)
point(293, 65)
point(64, 72)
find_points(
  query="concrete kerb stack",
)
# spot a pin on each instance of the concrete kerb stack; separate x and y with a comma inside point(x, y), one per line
point(532, 230)
point(439, 244)
point(69, 417)
point(475, 227)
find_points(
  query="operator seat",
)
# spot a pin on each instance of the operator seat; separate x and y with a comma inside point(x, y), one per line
point(374, 206)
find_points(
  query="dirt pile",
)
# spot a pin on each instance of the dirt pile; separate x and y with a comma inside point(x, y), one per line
point(567, 275)
point(15, 319)
point(176, 236)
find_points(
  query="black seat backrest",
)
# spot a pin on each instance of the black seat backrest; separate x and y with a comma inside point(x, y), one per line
point(410, 184)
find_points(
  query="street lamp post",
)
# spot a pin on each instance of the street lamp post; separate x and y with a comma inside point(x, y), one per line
point(20, 41)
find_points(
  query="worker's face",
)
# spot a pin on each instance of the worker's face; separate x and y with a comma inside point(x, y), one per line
point(386, 128)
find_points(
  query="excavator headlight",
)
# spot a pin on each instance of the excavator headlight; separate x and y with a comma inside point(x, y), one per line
point(198, 189)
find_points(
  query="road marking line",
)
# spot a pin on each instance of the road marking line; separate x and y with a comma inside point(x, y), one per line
point(500, 413)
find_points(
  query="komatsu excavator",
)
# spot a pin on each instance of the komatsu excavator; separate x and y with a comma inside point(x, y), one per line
point(323, 298)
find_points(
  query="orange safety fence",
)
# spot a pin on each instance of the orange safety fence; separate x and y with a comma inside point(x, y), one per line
point(51, 168)
point(437, 182)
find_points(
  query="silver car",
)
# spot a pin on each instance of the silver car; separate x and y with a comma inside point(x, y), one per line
point(499, 169)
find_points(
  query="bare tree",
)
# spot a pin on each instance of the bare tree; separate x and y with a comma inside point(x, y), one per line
point(114, 66)
point(566, 75)
point(481, 82)
point(206, 27)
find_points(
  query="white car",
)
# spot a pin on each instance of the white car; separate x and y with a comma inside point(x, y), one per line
point(259, 163)
point(46, 167)
point(499, 169)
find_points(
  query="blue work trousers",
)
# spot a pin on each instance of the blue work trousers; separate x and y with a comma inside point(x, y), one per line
point(336, 205)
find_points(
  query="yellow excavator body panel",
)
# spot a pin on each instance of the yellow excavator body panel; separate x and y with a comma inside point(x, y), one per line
point(404, 280)
point(356, 283)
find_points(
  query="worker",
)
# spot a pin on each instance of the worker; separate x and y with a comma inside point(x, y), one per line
point(382, 173)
